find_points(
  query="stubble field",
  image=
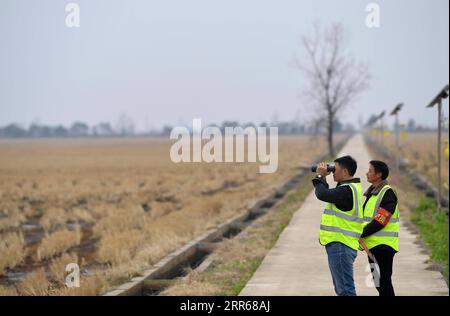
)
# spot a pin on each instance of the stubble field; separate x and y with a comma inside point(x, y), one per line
point(115, 206)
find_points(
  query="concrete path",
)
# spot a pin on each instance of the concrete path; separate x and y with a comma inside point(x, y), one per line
point(297, 264)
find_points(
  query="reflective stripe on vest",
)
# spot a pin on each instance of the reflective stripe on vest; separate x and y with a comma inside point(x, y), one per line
point(344, 216)
point(385, 234)
point(339, 230)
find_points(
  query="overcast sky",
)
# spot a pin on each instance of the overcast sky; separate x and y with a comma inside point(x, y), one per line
point(167, 61)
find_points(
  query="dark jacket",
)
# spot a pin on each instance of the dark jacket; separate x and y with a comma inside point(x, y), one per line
point(341, 196)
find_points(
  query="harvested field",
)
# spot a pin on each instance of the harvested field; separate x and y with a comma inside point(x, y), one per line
point(115, 206)
point(419, 149)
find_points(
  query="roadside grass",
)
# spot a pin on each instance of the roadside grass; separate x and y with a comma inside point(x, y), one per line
point(433, 226)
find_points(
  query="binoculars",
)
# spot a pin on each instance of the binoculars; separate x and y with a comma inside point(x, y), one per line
point(330, 168)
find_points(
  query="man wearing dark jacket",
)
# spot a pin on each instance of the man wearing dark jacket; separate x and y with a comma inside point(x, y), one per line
point(342, 219)
point(381, 228)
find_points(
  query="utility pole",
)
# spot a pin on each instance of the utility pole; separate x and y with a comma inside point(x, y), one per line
point(443, 94)
point(395, 111)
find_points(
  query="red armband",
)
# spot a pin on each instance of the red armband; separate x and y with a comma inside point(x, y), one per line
point(382, 216)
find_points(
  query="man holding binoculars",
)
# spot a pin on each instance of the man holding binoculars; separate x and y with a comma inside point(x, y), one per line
point(342, 220)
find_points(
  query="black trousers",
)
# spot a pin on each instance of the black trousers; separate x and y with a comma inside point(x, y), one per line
point(385, 260)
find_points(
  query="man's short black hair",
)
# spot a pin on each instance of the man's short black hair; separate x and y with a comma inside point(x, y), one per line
point(347, 162)
point(380, 167)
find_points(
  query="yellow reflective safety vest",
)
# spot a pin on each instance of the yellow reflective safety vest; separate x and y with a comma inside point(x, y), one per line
point(340, 226)
point(387, 235)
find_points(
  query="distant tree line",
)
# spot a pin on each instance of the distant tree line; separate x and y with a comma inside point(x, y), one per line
point(125, 127)
point(77, 129)
point(284, 127)
point(410, 126)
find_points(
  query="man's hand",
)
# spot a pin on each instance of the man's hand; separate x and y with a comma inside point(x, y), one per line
point(322, 169)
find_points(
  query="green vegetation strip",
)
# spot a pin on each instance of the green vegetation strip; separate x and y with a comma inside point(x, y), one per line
point(433, 227)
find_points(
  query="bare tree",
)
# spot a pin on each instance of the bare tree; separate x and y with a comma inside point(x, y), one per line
point(335, 79)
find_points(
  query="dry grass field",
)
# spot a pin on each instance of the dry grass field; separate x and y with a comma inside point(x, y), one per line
point(115, 206)
point(420, 151)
